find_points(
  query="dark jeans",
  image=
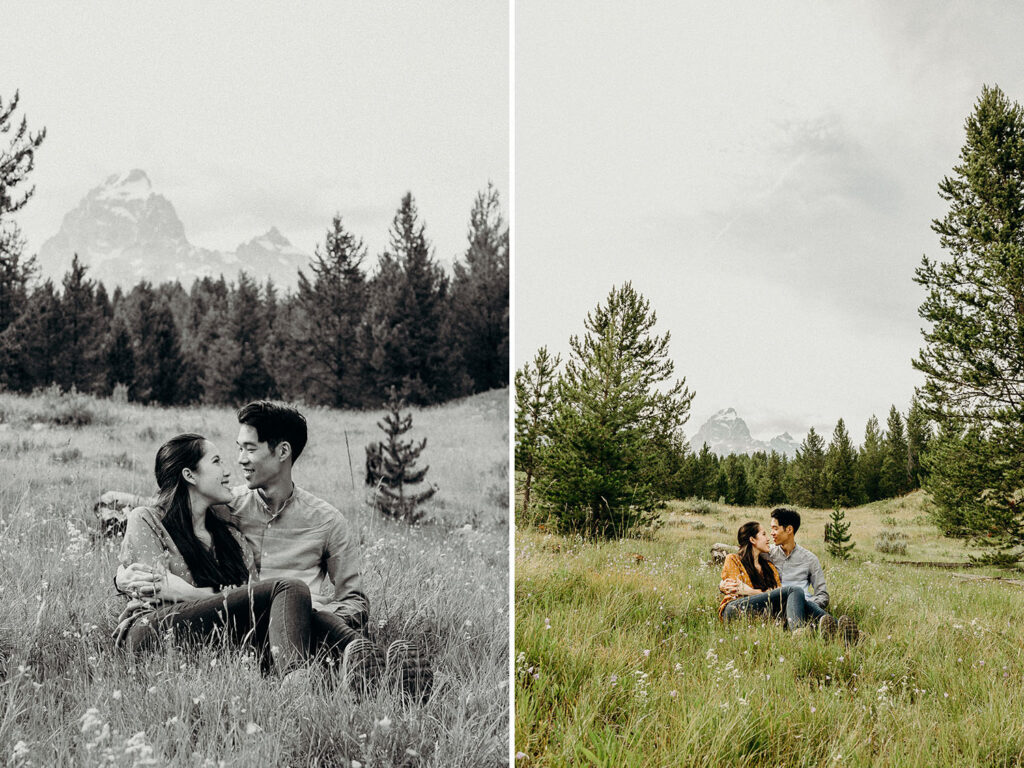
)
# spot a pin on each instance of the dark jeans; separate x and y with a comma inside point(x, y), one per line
point(814, 611)
point(789, 602)
point(271, 616)
point(329, 634)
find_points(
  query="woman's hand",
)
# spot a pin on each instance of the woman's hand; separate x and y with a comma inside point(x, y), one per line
point(136, 580)
point(730, 586)
point(143, 581)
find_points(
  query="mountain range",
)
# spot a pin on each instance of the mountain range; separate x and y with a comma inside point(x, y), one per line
point(726, 433)
point(124, 232)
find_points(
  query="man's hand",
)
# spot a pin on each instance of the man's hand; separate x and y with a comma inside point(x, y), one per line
point(119, 499)
point(729, 586)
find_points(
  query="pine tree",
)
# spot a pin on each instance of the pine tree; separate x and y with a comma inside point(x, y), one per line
point(869, 461)
point(328, 337)
point(974, 309)
point(409, 318)
point(736, 483)
point(208, 356)
point(248, 331)
point(805, 480)
point(840, 471)
point(837, 534)
point(960, 465)
point(770, 485)
point(78, 360)
point(398, 466)
point(918, 436)
point(119, 359)
point(705, 474)
point(614, 403)
point(480, 296)
point(894, 479)
point(29, 345)
point(156, 347)
point(17, 159)
point(16, 274)
point(16, 162)
point(535, 385)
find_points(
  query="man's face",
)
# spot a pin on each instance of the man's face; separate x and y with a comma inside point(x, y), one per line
point(260, 466)
point(781, 536)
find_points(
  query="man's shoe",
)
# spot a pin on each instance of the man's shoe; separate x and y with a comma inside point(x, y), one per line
point(827, 627)
point(848, 630)
point(361, 666)
point(408, 670)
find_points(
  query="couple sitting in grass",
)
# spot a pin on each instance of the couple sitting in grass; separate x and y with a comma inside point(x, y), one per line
point(781, 580)
point(265, 564)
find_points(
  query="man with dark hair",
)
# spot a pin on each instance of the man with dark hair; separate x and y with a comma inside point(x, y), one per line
point(294, 534)
point(800, 567)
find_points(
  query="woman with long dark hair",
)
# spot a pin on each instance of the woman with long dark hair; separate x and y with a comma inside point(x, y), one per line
point(206, 578)
point(759, 589)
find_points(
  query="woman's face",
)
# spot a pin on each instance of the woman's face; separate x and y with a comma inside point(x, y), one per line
point(210, 478)
point(760, 542)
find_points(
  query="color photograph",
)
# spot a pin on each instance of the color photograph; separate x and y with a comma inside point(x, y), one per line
point(769, 411)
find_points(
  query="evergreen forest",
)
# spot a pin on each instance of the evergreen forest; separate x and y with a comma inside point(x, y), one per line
point(352, 329)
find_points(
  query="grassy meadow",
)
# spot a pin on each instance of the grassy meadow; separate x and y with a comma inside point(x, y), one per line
point(621, 659)
point(68, 698)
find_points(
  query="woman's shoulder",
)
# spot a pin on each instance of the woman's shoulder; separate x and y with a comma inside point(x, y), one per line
point(732, 567)
point(147, 519)
point(146, 514)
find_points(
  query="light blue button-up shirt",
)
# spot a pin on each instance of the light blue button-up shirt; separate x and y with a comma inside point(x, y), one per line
point(803, 569)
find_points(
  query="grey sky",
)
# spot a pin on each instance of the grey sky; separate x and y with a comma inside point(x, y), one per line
point(277, 113)
point(764, 173)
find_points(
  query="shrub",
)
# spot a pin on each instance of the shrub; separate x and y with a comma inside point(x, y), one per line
point(697, 506)
point(120, 393)
point(66, 455)
point(62, 409)
point(891, 542)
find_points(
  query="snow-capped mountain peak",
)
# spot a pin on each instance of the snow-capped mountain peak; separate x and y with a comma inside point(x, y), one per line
point(124, 232)
point(726, 433)
point(134, 185)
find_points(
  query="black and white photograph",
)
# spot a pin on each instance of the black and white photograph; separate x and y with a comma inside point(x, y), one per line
point(254, 384)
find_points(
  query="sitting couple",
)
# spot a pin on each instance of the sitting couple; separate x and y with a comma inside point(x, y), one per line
point(780, 580)
point(267, 563)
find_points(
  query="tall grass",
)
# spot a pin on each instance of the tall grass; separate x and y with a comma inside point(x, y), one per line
point(68, 698)
point(621, 658)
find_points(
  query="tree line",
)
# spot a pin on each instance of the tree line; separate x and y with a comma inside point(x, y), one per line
point(601, 446)
point(342, 338)
point(888, 463)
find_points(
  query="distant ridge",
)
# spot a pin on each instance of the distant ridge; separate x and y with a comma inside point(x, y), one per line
point(125, 232)
point(726, 433)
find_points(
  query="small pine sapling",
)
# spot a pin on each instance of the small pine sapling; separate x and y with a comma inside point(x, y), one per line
point(395, 466)
point(837, 534)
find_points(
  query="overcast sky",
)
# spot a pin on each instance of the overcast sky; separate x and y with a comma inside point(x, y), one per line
point(250, 115)
point(765, 173)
